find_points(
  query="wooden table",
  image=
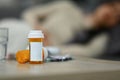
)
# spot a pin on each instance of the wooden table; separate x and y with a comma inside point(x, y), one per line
point(82, 68)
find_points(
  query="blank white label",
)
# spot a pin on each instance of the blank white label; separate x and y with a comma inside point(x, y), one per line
point(36, 51)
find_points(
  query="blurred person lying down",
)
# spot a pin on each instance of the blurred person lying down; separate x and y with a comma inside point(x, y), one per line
point(89, 35)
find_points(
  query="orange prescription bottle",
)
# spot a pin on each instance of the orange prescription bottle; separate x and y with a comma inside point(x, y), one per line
point(35, 46)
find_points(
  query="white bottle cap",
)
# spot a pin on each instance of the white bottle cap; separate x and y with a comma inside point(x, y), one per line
point(35, 34)
point(53, 50)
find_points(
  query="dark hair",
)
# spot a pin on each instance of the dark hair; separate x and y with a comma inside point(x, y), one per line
point(90, 5)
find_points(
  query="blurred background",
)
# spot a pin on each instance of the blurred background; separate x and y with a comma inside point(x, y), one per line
point(14, 8)
point(91, 24)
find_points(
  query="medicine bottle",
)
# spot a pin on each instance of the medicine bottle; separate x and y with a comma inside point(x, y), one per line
point(35, 46)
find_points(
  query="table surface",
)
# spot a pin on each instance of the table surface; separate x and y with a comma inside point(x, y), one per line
point(80, 67)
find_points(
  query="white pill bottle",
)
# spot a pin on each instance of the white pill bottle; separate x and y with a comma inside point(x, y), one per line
point(36, 38)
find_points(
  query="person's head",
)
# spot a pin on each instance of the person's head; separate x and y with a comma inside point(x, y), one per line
point(108, 14)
